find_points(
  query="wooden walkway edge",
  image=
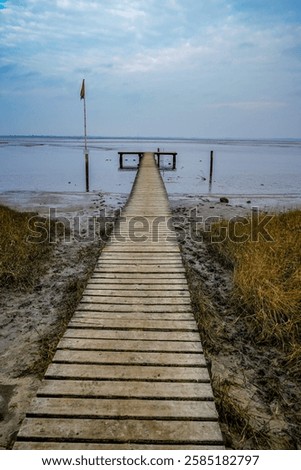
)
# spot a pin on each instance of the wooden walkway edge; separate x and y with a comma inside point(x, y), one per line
point(129, 372)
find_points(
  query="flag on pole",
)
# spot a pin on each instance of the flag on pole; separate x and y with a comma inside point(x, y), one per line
point(82, 91)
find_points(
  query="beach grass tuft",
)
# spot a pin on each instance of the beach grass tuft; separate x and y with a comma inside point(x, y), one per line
point(267, 279)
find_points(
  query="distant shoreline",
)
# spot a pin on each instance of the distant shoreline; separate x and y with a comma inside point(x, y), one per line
point(221, 140)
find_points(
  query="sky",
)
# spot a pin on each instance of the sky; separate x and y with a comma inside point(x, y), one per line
point(164, 68)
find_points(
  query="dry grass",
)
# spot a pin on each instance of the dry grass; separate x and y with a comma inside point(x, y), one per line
point(21, 262)
point(267, 279)
point(246, 300)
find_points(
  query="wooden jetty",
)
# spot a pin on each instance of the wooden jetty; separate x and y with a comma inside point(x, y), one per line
point(129, 372)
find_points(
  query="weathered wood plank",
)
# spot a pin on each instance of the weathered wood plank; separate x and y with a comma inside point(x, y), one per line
point(87, 306)
point(137, 301)
point(134, 277)
point(133, 316)
point(143, 269)
point(108, 255)
point(136, 325)
point(127, 372)
point(122, 430)
point(62, 445)
point(132, 334)
point(131, 247)
point(153, 289)
point(94, 290)
point(155, 390)
point(94, 408)
point(136, 262)
point(130, 345)
point(128, 357)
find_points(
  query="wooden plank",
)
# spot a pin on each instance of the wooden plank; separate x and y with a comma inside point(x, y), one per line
point(136, 325)
point(139, 389)
point(132, 334)
point(132, 247)
point(130, 345)
point(148, 245)
point(129, 357)
point(137, 301)
point(141, 263)
point(145, 232)
point(132, 316)
point(127, 372)
point(63, 445)
point(143, 269)
point(141, 236)
point(182, 293)
point(136, 283)
point(134, 277)
point(134, 287)
point(94, 408)
point(87, 306)
point(108, 255)
point(122, 430)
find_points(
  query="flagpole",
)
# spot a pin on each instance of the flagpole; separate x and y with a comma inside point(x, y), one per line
point(83, 96)
point(85, 121)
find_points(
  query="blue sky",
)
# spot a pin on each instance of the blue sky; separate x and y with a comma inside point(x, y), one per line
point(179, 68)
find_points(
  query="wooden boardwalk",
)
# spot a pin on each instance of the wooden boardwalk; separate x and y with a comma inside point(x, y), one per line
point(129, 372)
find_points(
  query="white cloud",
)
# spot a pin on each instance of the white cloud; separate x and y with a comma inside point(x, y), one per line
point(249, 105)
point(162, 59)
point(203, 51)
point(78, 5)
point(131, 13)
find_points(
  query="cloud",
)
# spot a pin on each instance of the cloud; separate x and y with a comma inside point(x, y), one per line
point(249, 105)
point(141, 33)
point(163, 59)
point(219, 53)
point(190, 40)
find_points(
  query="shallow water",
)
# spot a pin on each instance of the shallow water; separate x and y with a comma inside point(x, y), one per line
point(240, 166)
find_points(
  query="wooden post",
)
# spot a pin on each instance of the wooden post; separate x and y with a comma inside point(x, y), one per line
point(86, 153)
point(120, 161)
point(87, 170)
point(158, 157)
point(174, 161)
point(211, 170)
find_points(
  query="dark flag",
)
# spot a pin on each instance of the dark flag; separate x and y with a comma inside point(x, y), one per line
point(82, 91)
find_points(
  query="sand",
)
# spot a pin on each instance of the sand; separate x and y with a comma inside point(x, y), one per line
point(31, 322)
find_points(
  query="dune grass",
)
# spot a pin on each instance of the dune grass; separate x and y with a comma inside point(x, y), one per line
point(21, 262)
point(267, 278)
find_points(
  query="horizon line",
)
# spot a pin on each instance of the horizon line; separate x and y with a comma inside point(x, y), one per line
point(74, 136)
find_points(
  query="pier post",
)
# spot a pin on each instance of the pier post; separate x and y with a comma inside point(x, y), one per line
point(174, 161)
point(158, 161)
point(87, 170)
point(121, 161)
point(158, 157)
point(211, 169)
